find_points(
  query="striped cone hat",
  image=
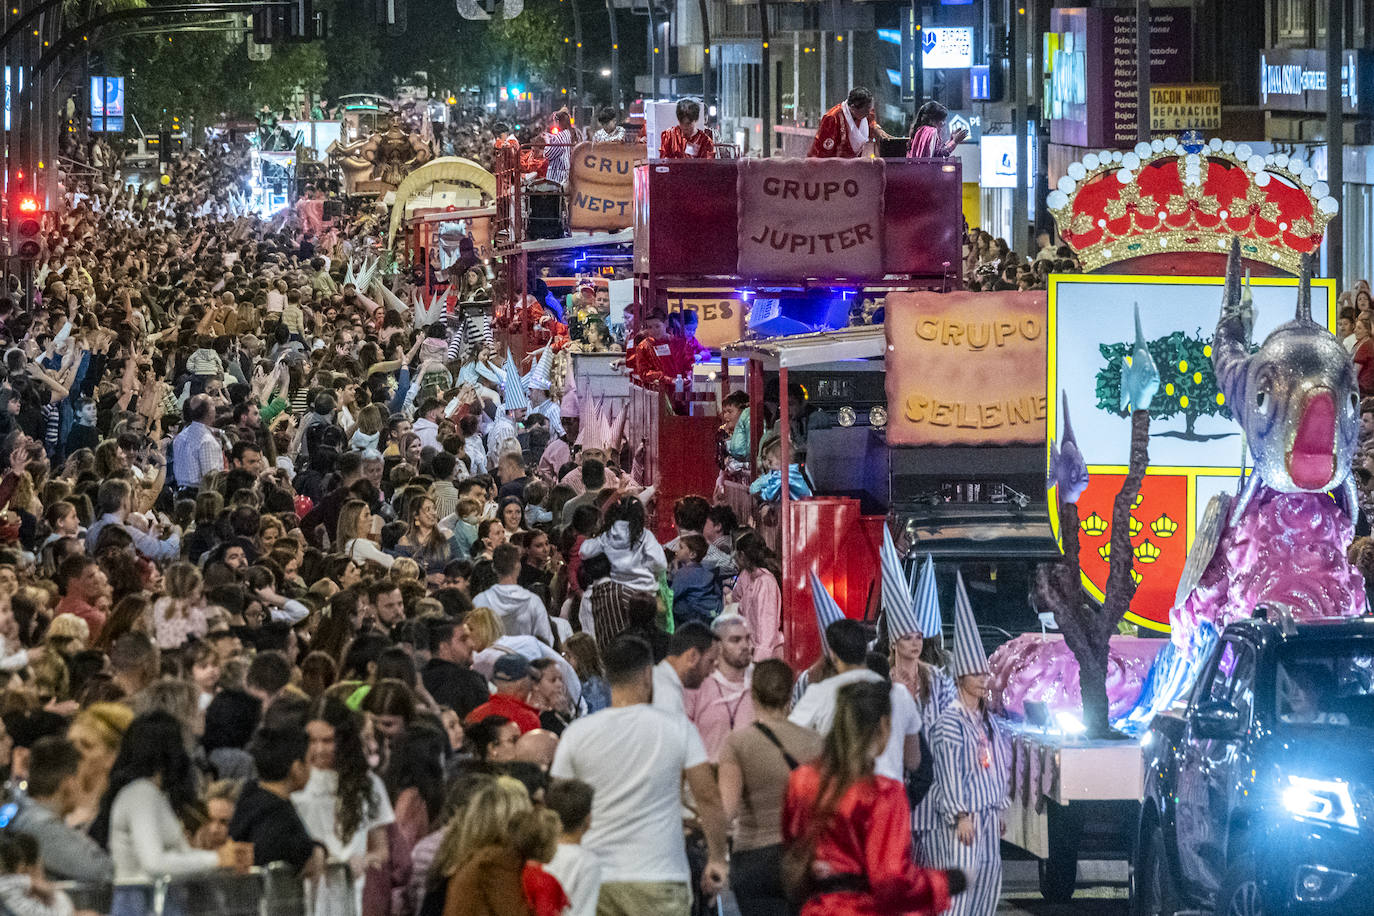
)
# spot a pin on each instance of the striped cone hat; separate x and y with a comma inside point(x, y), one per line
point(897, 603)
point(969, 657)
point(514, 390)
point(928, 615)
point(828, 610)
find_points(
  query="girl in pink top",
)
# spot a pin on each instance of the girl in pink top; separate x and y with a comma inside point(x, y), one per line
point(759, 595)
point(928, 141)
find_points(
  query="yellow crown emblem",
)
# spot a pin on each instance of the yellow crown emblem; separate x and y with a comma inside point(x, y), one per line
point(1136, 576)
point(1135, 526)
point(1147, 552)
point(1164, 527)
point(1138, 500)
point(1105, 551)
point(1095, 525)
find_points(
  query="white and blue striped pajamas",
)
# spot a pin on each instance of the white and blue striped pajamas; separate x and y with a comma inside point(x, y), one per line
point(963, 784)
point(925, 819)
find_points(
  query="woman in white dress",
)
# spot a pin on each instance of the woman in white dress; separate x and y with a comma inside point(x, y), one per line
point(344, 806)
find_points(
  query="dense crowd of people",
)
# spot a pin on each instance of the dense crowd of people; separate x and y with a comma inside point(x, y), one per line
point(292, 572)
point(990, 264)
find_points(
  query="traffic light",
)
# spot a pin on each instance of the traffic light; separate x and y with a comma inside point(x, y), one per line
point(302, 21)
point(270, 23)
point(26, 221)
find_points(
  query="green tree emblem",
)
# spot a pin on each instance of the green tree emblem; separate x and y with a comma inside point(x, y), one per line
point(1188, 386)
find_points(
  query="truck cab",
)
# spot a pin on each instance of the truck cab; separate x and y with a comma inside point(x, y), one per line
point(1259, 795)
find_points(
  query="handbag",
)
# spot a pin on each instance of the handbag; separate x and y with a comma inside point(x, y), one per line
point(794, 872)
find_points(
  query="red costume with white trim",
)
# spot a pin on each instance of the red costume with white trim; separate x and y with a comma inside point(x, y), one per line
point(659, 362)
point(672, 144)
point(832, 137)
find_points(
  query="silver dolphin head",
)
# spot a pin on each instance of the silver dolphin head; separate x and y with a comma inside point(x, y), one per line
point(1296, 397)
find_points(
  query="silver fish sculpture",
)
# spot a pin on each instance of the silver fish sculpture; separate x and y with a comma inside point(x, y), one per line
point(1296, 397)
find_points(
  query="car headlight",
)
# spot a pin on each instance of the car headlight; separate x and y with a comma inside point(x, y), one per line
point(1326, 800)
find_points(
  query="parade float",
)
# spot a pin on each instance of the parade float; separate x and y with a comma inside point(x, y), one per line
point(1170, 517)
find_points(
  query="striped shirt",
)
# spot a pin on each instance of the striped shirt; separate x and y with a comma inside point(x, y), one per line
point(196, 451)
point(962, 783)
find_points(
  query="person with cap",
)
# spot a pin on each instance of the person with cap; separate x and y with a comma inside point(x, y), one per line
point(582, 306)
point(972, 767)
point(538, 384)
point(512, 413)
point(512, 680)
point(559, 451)
point(846, 642)
point(911, 655)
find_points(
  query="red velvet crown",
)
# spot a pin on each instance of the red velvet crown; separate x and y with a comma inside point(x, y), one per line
point(1114, 206)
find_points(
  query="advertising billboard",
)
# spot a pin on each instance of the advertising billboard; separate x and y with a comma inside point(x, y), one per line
point(1195, 446)
point(946, 48)
point(107, 103)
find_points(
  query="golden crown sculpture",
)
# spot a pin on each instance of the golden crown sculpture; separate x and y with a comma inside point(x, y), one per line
point(1163, 197)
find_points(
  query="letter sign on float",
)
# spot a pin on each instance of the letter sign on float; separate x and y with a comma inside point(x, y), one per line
point(814, 218)
point(966, 368)
point(601, 186)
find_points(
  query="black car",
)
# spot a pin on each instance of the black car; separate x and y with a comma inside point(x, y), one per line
point(1259, 798)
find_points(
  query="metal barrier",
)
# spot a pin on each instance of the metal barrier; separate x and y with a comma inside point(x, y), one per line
point(272, 891)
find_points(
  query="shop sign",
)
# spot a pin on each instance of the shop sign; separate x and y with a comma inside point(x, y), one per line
point(1294, 79)
point(966, 368)
point(1185, 107)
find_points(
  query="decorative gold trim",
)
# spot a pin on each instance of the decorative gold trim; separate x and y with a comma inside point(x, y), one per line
point(1254, 206)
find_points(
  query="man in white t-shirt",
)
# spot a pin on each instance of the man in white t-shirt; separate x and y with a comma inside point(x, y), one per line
point(848, 646)
point(692, 654)
point(635, 758)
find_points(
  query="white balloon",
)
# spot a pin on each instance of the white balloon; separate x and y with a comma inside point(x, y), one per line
point(1328, 205)
point(1142, 149)
point(1067, 184)
point(1090, 161)
point(1057, 200)
point(1262, 179)
point(1308, 176)
point(1124, 176)
point(1226, 147)
point(1157, 145)
point(1171, 143)
point(1255, 164)
point(1077, 171)
point(1320, 190)
point(1281, 160)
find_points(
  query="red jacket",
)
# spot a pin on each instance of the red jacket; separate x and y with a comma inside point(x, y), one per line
point(869, 835)
point(657, 363)
point(513, 708)
point(832, 137)
point(673, 145)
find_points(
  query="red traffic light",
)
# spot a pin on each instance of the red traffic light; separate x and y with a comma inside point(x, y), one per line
point(28, 205)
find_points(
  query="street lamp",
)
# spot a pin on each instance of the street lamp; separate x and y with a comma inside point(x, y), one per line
point(605, 71)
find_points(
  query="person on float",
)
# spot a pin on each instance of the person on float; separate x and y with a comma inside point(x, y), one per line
point(972, 768)
point(659, 359)
point(845, 128)
point(686, 141)
point(504, 138)
point(929, 140)
point(912, 663)
point(538, 384)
